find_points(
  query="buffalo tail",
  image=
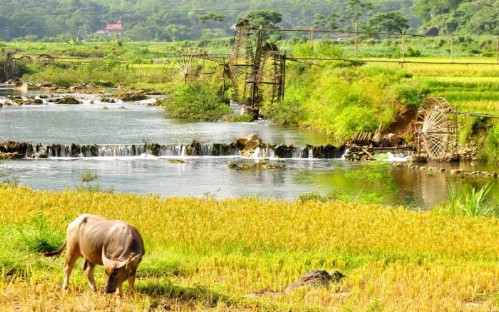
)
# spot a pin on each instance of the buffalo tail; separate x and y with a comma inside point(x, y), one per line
point(56, 252)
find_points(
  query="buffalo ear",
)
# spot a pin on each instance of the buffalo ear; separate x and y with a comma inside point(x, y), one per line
point(136, 260)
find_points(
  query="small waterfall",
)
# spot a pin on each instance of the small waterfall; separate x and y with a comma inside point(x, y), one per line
point(177, 150)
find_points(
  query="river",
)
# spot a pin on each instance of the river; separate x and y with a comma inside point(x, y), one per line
point(123, 124)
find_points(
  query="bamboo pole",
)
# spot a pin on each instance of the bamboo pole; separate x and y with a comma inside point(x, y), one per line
point(356, 39)
point(497, 50)
point(451, 50)
point(403, 45)
point(311, 35)
point(223, 76)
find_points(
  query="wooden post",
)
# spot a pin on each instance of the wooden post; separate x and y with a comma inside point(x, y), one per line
point(311, 35)
point(497, 50)
point(283, 78)
point(223, 76)
point(403, 45)
point(256, 66)
point(356, 39)
point(451, 50)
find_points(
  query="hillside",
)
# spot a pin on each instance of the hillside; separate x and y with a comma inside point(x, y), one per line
point(170, 20)
point(57, 20)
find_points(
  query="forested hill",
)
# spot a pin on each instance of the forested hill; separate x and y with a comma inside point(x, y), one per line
point(171, 20)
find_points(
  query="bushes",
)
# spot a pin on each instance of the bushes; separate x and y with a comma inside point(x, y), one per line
point(288, 113)
point(410, 93)
point(320, 49)
point(196, 101)
point(339, 101)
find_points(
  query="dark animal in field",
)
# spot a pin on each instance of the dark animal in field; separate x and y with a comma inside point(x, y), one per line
point(114, 244)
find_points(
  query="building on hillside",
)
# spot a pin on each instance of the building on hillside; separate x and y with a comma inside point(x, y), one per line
point(115, 28)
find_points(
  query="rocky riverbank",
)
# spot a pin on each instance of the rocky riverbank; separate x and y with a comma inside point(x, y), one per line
point(452, 172)
point(52, 93)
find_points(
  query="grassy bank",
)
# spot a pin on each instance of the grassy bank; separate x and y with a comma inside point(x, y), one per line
point(207, 254)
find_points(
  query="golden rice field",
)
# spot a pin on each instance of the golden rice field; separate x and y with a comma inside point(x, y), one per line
point(208, 254)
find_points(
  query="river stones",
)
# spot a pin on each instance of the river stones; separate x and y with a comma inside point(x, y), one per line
point(13, 150)
point(133, 96)
point(248, 144)
point(258, 165)
point(66, 100)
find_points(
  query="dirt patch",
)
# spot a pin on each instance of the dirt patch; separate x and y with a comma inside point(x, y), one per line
point(404, 121)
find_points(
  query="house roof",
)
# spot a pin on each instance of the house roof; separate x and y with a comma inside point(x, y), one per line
point(115, 26)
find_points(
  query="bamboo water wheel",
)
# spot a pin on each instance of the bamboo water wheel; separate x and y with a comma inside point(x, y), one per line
point(270, 74)
point(436, 129)
point(241, 61)
point(188, 63)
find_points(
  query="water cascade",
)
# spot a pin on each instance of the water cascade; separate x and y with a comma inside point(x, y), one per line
point(27, 150)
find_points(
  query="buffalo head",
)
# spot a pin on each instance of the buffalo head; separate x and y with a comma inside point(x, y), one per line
point(119, 271)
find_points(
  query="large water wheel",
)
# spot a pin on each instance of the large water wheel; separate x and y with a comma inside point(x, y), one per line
point(188, 63)
point(436, 129)
point(242, 61)
point(270, 75)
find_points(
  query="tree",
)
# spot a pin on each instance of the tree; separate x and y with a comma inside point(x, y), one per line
point(330, 22)
point(265, 18)
point(429, 9)
point(391, 22)
point(211, 17)
point(461, 16)
point(357, 9)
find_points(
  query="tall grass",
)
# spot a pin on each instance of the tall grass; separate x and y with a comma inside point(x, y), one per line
point(473, 203)
point(206, 254)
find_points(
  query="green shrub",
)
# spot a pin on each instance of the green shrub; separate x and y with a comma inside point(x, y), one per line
point(198, 101)
point(319, 49)
point(287, 113)
point(413, 53)
point(88, 176)
point(410, 93)
point(316, 196)
point(38, 236)
point(90, 183)
point(240, 118)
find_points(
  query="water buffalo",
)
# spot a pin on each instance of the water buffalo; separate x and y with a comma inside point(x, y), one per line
point(115, 244)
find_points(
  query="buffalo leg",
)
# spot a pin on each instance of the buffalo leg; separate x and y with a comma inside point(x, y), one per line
point(71, 257)
point(131, 281)
point(88, 267)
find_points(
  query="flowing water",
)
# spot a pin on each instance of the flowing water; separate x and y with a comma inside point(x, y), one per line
point(121, 131)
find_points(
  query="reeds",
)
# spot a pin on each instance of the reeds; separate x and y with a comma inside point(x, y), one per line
point(473, 203)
